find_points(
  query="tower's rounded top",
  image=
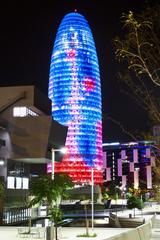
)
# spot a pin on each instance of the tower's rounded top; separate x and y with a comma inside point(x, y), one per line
point(74, 18)
point(74, 26)
point(75, 13)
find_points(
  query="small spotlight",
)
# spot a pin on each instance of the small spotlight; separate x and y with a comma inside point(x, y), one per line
point(63, 150)
point(1, 162)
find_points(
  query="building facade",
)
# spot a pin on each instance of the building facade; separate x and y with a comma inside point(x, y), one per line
point(156, 134)
point(27, 134)
point(75, 92)
point(128, 164)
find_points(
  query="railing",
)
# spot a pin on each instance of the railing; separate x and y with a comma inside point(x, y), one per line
point(14, 216)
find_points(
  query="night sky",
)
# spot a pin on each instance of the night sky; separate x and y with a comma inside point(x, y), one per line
point(28, 30)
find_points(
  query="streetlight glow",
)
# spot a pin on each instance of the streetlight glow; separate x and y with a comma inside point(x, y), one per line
point(63, 150)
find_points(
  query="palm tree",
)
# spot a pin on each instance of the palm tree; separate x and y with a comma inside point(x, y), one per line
point(45, 190)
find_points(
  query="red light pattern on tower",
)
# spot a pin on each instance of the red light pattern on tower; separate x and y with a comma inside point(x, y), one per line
point(74, 88)
point(89, 84)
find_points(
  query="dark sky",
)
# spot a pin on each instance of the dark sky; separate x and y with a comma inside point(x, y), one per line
point(28, 29)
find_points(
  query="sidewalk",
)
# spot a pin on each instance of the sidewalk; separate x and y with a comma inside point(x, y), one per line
point(66, 233)
point(70, 233)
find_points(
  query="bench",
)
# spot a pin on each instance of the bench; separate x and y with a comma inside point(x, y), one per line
point(23, 232)
point(131, 222)
point(114, 221)
point(129, 235)
point(146, 231)
point(124, 222)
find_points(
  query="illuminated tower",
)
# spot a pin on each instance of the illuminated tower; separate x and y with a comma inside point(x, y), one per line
point(75, 92)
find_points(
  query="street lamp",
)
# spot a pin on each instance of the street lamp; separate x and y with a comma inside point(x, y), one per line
point(92, 197)
point(62, 150)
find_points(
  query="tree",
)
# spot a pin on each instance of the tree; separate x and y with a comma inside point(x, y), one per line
point(135, 199)
point(1, 201)
point(111, 191)
point(1, 190)
point(134, 202)
point(84, 198)
point(83, 194)
point(45, 190)
point(156, 180)
point(139, 50)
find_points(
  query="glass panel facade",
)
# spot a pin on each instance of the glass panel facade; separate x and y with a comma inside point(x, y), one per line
point(75, 92)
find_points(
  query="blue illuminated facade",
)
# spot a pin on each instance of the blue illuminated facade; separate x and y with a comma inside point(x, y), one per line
point(75, 92)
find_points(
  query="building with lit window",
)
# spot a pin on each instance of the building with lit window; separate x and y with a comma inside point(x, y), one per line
point(129, 164)
point(27, 134)
point(75, 92)
point(156, 134)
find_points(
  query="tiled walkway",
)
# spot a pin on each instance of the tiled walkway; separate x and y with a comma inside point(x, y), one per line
point(10, 233)
point(70, 233)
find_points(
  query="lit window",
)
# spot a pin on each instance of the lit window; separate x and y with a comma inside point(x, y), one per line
point(18, 183)
point(23, 112)
point(25, 183)
point(10, 182)
point(19, 112)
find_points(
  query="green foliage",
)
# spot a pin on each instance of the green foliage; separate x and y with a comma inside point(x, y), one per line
point(56, 215)
point(156, 192)
point(134, 202)
point(112, 191)
point(44, 189)
point(87, 235)
point(51, 192)
point(1, 190)
point(105, 196)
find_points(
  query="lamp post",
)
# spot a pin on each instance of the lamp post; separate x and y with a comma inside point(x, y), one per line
point(62, 150)
point(92, 194)
point(92, 197)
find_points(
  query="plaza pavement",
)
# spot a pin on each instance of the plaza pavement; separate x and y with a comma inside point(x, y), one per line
point(67, 233)
point(70, 233)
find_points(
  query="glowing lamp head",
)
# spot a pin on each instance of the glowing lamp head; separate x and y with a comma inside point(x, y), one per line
point(63, 150)
point(1, 162)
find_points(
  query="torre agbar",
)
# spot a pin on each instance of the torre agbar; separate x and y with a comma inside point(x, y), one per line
point(75, 92)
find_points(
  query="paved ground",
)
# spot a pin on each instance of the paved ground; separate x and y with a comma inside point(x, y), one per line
point(70, 233)
point(10, 233)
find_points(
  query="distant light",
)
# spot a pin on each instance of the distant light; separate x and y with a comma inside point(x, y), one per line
point(1, 162)
point(132, 143)
point(136, 169)
point(111, 144)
